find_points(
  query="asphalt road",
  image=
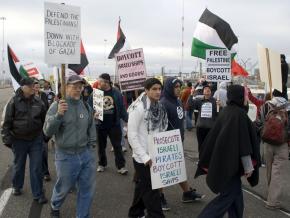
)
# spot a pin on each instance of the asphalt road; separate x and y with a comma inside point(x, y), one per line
point(115, 192)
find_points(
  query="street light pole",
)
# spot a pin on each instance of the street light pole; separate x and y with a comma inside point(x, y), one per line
point(3, 71)
point(105, 45)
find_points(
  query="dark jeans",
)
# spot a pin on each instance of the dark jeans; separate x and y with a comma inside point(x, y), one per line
point(33, 148)
point(115, 135)
point(195, 118)
point(144, 196)
point(230, 200)
point(201, 133)
point(45, 170)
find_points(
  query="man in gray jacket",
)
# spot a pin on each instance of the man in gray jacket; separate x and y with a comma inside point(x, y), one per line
point(71, 123)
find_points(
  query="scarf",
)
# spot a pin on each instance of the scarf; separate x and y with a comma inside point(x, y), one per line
point(155, 117)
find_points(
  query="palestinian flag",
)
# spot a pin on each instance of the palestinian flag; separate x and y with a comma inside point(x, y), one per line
point(212, 32)
point(78, 68)
point(15, 74)
point(121, 39)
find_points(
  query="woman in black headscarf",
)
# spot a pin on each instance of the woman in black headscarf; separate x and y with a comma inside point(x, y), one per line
point(229, 151)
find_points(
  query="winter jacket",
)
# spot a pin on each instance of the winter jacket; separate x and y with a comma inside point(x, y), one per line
point(138, 131)
point(173, 106)
point(23, 118)
point(207, 111)
point(73, 131)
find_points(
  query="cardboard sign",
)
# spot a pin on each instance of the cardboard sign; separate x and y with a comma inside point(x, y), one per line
point(275, 68)
point(131, 69)
point(218, 65)
point(98, 103)
point(62, 33)
point(168, 164)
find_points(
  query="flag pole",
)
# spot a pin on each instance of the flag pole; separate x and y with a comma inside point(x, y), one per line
point(269, 71)
point(63, 81)
point(218, 97)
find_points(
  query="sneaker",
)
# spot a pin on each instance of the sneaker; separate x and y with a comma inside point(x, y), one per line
point(270, 207)
point(47, 178)
point(164, 204)
point(124, 149)
point(41, 200)
point(123, 171)
point(16, 192)
point(54, 213)
point(100, 169)
point(191, 196)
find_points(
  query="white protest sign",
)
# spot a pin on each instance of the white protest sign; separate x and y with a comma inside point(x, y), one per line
point(98, 103)
point(206, 110)
point(168, 164)
point(252, 113)
point(62, 33)
point(131, 69)
point(218, 65)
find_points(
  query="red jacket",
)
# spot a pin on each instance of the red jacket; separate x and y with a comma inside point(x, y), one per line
point(256, 102)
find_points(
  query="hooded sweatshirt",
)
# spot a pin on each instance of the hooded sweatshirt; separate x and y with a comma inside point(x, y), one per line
point(173, 106)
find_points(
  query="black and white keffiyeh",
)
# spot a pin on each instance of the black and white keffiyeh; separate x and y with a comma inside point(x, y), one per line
point(155, 116)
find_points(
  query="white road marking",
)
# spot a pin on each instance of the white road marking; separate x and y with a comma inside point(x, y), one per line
point(259, 198)
point(4, 199)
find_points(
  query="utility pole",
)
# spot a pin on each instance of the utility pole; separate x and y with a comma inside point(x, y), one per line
point(105, 46)
point(182, 38)
point(3, 70)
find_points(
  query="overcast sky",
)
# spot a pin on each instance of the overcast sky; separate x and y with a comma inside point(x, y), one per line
point(154, 25)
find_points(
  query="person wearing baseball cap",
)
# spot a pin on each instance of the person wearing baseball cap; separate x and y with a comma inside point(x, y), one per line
point(71, 123)
point(21, 131)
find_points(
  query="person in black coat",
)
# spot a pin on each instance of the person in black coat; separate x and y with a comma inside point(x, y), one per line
point(284, 71)
point(229, 151)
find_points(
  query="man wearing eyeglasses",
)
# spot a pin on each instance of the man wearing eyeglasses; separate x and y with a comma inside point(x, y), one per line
point(71, 123)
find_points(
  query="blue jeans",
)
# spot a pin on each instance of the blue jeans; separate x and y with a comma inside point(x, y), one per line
point(75, 170)
point(33, 148)
point(188, 119)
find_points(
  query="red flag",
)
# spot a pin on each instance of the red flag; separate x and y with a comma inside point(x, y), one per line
point(78, 68)
point(121, 38)
point(238, 70)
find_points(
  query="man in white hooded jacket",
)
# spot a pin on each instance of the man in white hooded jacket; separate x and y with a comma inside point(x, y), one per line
point(146, 116)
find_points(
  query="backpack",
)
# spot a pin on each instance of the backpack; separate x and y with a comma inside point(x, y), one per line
point(274, 130)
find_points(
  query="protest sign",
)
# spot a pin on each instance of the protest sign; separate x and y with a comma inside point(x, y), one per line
point(252, 112)
point(168, 164)
point(62, 33)
point(131, 69)
point(218, 65)
point(98, 103)
point(270, 68)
